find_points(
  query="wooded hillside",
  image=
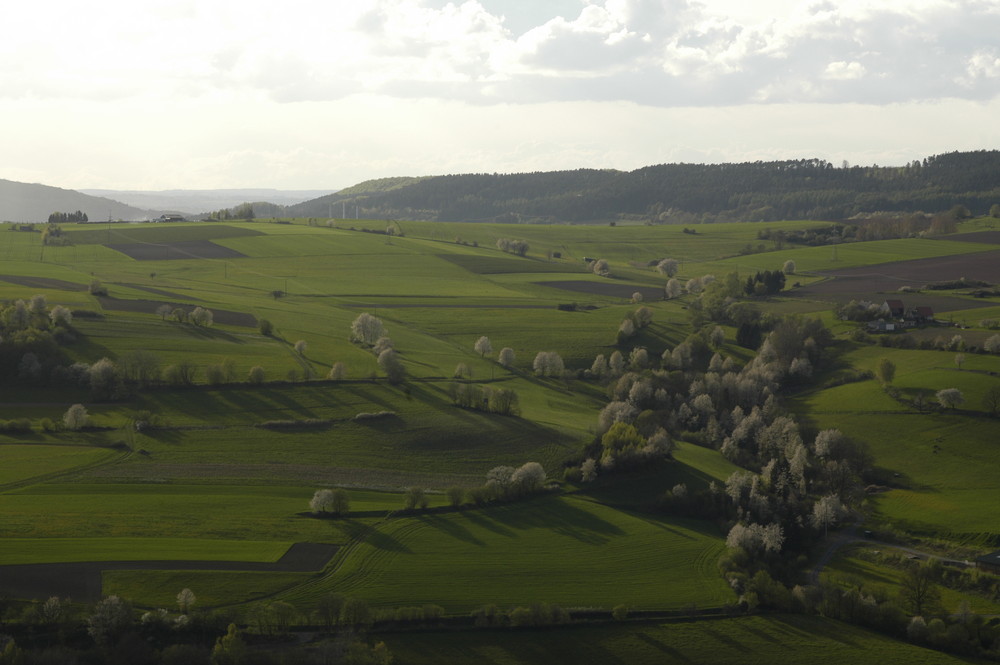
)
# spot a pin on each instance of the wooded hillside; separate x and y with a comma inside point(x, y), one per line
point(682, 193)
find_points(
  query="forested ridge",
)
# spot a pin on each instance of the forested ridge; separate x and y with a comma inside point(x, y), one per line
point(682, 193)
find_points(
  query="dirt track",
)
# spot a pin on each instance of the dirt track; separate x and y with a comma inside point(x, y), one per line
point(83, 581)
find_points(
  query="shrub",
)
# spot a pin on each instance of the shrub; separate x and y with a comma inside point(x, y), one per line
point(256, 375)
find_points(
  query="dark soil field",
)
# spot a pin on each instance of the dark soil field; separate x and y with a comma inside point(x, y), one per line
point(608, 289)
point(884, 280)
point(222, 316)
point(82, 581)
point(43, 283)
point(171, 251)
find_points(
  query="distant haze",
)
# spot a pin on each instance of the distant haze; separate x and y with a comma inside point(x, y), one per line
point(196, 201)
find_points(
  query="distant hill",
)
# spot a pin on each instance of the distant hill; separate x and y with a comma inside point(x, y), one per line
point(679, 193)
point(23, 202)
point(197, 201)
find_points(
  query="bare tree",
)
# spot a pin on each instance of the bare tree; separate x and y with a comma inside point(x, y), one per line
point(301, 346)
point(991, 400)
point(959, 360)
point(918, 589)
point(337, 371)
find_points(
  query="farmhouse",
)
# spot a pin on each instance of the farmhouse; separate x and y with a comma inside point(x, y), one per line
point(170, 217)
point(894, 308)
point(897, 316)
point(989, 562)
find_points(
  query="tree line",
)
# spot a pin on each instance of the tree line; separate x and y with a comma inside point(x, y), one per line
point(688, 193)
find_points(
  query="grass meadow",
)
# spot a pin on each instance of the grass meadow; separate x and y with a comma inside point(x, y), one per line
point(763, 640)
point(206, 482)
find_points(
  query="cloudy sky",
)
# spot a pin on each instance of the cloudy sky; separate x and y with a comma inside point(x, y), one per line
point(160, 94)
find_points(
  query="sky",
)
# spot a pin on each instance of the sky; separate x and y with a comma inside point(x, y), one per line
point(322, 94)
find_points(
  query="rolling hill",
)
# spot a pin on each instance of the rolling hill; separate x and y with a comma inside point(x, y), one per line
point(24, 202)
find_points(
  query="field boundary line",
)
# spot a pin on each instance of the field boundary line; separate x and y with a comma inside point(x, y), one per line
point(47, 477)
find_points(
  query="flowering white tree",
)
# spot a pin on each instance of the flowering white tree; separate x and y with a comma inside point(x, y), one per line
point(950, 398)
point(528, 478)
point(483, 346)
point(367, 329)
point(668, 267)
point(76, 417)
point(506, 357)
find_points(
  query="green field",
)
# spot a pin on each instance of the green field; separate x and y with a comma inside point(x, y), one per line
point(763, 640)
point(223, 469)
point(946, 461)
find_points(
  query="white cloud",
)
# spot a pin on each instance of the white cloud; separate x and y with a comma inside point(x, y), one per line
point(320, 93)
point(844, 71)
point(323, 50)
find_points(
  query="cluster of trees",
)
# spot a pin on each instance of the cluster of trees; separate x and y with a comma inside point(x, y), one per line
point(688, 193)
point(111, 631)
point(633, 323)
point(765, 283)
point(53, 234)
point(512, 246)
point(501, 401)
point(533, 616)
point(330, 502)
point(915, 613)
point(198, 316)
point(369, 331)
point(68, 217)
point(242, 211)
point(548, 363)
point(790, 487)
point(31, 334)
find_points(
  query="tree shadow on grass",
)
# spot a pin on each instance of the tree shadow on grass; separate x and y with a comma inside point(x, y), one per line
point(561, 517)
point(451, 528)
point(725, 639)
point(482, 521)
point(211, 334)
point(372, 536)
point(673, 654)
